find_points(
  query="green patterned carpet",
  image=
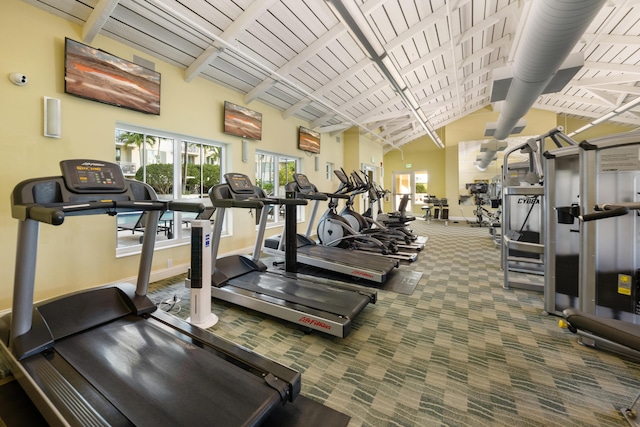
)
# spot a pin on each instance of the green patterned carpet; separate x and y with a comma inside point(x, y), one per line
point(459, 351)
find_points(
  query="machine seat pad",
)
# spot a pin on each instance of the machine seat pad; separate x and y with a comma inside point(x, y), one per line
point(618, 331)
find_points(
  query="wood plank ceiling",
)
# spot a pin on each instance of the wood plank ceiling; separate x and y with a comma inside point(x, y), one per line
point(299, 57)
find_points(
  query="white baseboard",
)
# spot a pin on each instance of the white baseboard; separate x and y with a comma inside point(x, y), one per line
point(166, 273)
point(160, 274)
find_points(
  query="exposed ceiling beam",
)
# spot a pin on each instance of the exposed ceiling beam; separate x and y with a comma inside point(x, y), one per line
point(611, 66)
point(417, 29)
point(611, 39)
point(334, 83)
point(96, 20)
point(635, 90)
point(606, 80)
point(340, 127)
point(546, 99)
point(384, 117)
point(295, 62)
point(488, 22)
point(353, 101)
point(248, 17)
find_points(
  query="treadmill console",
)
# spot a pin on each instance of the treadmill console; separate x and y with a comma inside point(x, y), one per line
point(358, 179)
point(303, 182)
point(92, 176)
point(341, 176)
point(240, 185)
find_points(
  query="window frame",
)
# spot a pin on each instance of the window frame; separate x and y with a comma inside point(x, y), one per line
point(182, 238)
point(277, 191)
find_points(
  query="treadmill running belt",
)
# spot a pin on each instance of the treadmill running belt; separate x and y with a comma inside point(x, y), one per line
point(350, 258)
point(154, 378)
point(313, 295)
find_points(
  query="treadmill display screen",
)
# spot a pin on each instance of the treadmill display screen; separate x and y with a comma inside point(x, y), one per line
point(83, 176)
point(239, 183)
point(341, 176)
point(301, 180)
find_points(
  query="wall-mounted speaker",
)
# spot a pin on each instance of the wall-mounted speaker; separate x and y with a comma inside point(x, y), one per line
point(245, 151)
point(317, 163)
point(51, 117)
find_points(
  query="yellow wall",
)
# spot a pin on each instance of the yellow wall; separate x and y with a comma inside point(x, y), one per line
point(442, 164)
point(423, 155)
point(81, 253)
point(359, 149)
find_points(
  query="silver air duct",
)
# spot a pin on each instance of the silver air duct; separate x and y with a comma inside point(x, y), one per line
point(490, 149)
point(552, 30)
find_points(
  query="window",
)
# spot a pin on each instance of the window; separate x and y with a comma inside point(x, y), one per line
point(273, 172)
point(151, 156)
point(413, 183)
point(421, 186)
point(329, 170)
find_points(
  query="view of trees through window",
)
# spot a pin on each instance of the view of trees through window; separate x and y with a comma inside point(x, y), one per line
point(176, 167)
point(273, 172)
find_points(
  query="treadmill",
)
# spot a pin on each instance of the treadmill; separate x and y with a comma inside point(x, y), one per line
point(355, 264)
point(318, 304)
point(108, 356)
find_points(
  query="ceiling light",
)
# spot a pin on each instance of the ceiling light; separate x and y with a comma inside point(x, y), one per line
point(627, 106)
point(393, 71)
point(349, 13)
point(621, 109)
point(352, 17)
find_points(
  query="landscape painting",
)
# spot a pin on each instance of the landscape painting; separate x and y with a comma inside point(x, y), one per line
point(309, 140)
point(97, 75)
point(241, 121)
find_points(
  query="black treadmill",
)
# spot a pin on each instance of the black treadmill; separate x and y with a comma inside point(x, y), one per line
point(354, 264)
point(108, 356)
point(319, 304)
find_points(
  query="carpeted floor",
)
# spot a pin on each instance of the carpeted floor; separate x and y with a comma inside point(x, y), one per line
point(459, 351)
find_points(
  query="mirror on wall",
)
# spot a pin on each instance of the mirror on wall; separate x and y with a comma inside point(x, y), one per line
point(480, 169)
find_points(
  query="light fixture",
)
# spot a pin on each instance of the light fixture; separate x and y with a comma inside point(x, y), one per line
point(348, 12)
point(604, 118)
point(352, 17)
point(621, 109)
point(393, 71)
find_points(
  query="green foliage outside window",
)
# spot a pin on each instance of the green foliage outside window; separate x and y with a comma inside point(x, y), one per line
point(160, 177)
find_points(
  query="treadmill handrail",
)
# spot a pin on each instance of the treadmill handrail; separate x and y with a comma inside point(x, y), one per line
point(55, 215)
point(338, 195)
point(174, 205)
point(51, 216)
point(232, 203)
point(312, 196)
point(289, 201)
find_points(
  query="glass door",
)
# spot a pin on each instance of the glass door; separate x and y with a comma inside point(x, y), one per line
point(402, 184)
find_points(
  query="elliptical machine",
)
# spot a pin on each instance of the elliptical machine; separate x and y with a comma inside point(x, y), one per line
point(366, 226)
point(334, 230)
point(395, 221)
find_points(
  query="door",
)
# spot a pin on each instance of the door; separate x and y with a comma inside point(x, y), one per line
point(402, 184)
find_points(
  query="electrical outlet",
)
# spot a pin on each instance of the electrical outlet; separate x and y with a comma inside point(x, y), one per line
point(169, 263)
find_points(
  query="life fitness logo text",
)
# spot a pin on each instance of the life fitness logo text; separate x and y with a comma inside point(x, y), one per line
point(309, 321)
point(362, 273)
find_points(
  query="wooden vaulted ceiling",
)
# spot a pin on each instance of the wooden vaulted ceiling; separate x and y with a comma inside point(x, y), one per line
point(298, 57)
